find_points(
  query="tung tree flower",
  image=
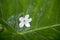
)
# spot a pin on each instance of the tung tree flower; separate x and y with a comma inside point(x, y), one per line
point(25, 21)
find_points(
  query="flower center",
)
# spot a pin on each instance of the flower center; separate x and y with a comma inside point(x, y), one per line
point(23, 20)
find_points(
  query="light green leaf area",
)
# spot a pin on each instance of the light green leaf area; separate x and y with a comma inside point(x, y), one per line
point(45, 24)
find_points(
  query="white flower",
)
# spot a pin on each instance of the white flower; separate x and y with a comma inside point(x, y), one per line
point(25, 21)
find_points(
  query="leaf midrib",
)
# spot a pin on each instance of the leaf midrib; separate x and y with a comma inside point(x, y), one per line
point(46, 27)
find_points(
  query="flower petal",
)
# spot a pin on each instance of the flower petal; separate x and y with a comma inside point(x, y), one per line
point(27, 25)
point(21, 18)
point(27, 16)
point(29, 20)
point(21, 25)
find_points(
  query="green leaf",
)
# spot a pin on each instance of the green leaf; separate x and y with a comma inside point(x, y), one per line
point(45, 16)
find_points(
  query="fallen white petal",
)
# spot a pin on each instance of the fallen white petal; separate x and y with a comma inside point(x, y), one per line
point(21, 25)
point(27, 25)
point(29, 20)
point(21, 18)
point(27, 16)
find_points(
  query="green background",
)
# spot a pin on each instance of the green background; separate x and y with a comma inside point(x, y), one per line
point(45, 16)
